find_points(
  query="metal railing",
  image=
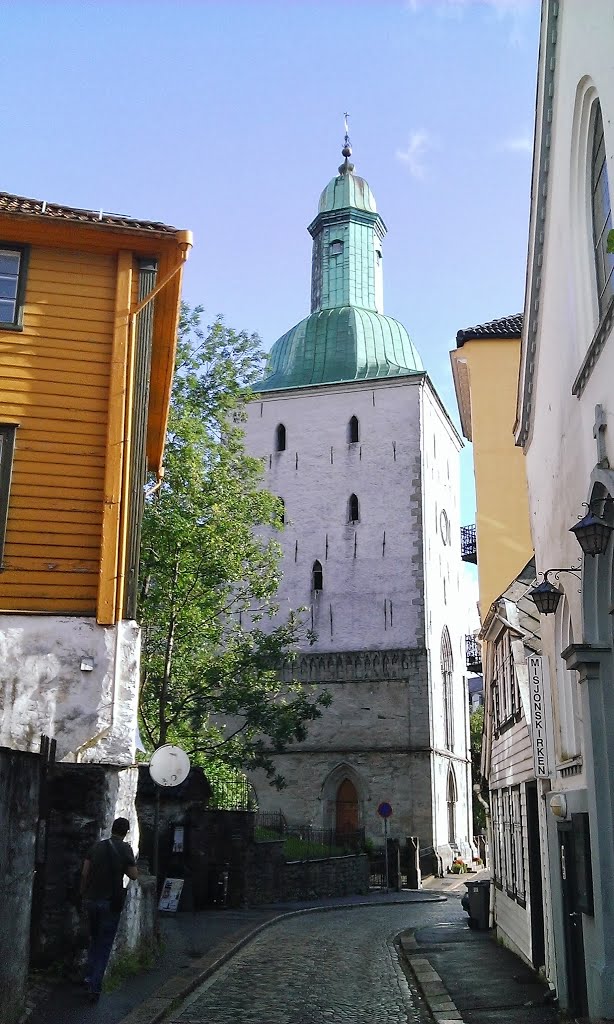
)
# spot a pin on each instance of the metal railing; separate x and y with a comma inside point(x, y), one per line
point(473, 654)
point(469, 550)
point(232, 795)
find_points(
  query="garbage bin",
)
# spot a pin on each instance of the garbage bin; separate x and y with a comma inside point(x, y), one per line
point(479, 903)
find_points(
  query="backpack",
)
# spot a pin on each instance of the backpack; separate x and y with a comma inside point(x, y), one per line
point(118, 893)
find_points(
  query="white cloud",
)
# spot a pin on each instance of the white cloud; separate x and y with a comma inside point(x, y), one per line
point(517, 144)
point(512, 11)
point(419, 145)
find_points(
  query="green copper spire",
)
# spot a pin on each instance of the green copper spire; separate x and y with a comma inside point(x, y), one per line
point(347, 337)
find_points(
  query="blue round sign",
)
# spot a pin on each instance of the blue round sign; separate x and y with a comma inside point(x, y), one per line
point(384, 810)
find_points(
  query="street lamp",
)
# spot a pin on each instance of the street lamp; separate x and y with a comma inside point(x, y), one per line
point(592, 532)
point(545, 595)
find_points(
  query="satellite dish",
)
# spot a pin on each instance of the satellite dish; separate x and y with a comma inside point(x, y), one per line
point(169, 765)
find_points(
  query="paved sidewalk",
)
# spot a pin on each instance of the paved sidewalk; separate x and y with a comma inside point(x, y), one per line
point(466, 977)
point(194, 946)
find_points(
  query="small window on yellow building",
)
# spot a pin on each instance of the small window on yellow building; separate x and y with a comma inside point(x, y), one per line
point(7, 444)
point(13, 261)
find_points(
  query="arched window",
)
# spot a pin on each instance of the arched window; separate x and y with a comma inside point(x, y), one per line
point(353, 430)
point(451, 802)
point(336, 247)
point(282, 510)
point(280, 438)
point(447, 667)
point(317, 577)
point(602, 213)
point(353, 509)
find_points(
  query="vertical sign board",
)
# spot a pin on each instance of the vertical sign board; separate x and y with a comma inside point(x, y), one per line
point(538, 716)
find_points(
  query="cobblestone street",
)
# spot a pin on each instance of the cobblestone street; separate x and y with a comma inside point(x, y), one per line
point(339, 966)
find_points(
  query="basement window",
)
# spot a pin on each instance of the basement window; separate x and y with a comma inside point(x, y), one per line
point(13, 268)
point(7, 446)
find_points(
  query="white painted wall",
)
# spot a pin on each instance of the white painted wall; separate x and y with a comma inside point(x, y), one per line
point(47, 686)
point(561, 319)
point(391, 581)
point(316, 476)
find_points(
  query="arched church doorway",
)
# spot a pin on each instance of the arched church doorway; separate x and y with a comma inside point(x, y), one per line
point(346, 808)
point(451, 799)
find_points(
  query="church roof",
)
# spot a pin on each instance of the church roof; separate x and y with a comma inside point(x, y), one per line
point(505, 327)
point(346, 343)
point(346, 192)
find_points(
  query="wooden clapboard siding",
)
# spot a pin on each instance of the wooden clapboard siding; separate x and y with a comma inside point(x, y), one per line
point(54, 383)
point(511, 757)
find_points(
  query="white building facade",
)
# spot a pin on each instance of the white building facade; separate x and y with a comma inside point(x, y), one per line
point(565, 410)
point(361, 451)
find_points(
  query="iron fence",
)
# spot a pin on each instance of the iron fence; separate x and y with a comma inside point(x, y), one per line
point(232, 795)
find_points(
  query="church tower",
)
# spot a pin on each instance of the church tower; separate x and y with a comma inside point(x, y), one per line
point(361, 450)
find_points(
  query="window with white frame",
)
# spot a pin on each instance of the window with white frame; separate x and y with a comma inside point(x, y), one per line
point(506, 695)
point(602, 213)
point(508, 843)
point(13, 260)
point(7, 445)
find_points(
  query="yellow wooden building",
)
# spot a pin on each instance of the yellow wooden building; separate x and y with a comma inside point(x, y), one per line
point(485, 369)
point(89, 307)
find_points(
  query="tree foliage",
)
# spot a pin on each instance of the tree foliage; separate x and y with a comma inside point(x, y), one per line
point(212, 638)
point(476, 729)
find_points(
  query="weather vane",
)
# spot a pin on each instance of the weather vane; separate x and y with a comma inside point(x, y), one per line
point(346, 126)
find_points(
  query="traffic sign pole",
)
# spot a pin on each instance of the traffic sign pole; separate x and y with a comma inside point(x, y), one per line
point(386, 850)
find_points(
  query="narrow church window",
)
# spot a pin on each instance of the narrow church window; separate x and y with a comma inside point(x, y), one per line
point(280, 438)
point(317, 577)
point(447, 667)
point(378, 257)
point(353, 510)
point(353, 430)
point(602, 214)
point(336, 247)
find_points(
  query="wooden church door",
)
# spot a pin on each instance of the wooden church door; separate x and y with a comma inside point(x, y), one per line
point(346, 819)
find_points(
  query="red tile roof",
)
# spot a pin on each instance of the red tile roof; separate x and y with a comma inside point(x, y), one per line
point(506, 327)
point(21, 206)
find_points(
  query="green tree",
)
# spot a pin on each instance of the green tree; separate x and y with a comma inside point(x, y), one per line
point(476, 729)
point(210, 573)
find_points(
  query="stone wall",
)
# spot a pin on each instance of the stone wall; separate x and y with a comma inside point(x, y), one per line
point(83, 800)
point(137, 934)
point(19, 795)
point(70, 678)
point(271, 879)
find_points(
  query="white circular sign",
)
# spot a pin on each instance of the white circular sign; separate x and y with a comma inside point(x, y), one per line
point(169, 765)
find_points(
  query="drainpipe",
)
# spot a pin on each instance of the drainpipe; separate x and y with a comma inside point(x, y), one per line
point(491, 903)
point(184, 242)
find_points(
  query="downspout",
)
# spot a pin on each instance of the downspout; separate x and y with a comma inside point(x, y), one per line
point(184, 240)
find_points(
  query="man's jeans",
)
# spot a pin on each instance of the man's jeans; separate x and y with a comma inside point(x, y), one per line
point(103, 925)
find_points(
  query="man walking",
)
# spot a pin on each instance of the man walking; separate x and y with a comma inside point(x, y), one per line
point(102, 885)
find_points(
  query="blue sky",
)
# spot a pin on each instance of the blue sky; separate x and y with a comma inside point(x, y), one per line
point(227, 118)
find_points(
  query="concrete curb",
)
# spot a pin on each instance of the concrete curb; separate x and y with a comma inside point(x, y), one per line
point(156, 1008)
point(436, 996)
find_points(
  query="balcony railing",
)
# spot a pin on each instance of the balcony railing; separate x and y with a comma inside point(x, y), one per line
point(469, 551)
point(473, 653)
